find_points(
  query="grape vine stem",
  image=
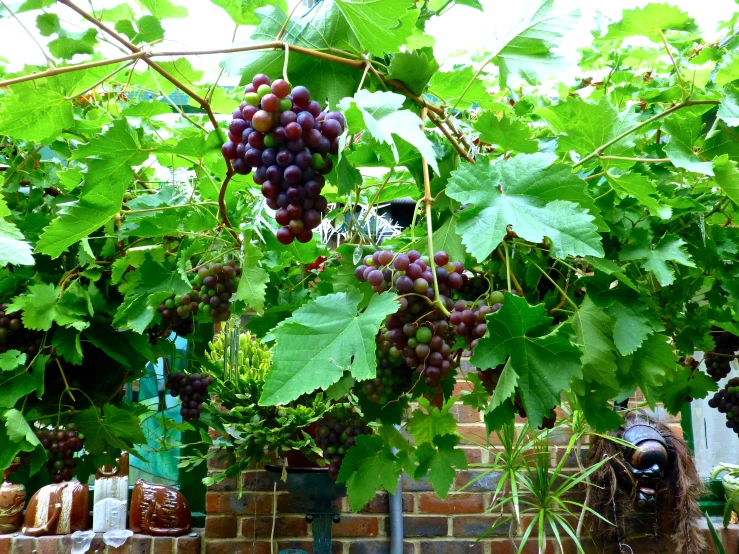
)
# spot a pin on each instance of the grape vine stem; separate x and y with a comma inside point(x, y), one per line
point(68, 389)
point(429, 224)
point(516, 285)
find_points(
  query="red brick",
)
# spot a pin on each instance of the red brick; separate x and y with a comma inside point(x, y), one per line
point(472, 435)
point(221, 527)
point(473, 455)
point(230, 503)
point(461, 503)
point(465, 414)
point(141, 544)
point(285, 527)
point(336, 547)
point(477, 480)
point(356, 526)
point(532, 546)
point(5, 541)
point(227, 485)
point(451, 547)
point(377, 547)
point(237, 547)
point(47, 545)
point(260, 480)
point(125, 548)
point(23, 544)
point(163, 545)
point(380, 504)
point(460, 386)
point(476, 526)
point(422, 526)
point(188, 544)
point(221, 460)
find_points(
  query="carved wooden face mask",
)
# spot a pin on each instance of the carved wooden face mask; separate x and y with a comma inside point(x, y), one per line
point(648, 460)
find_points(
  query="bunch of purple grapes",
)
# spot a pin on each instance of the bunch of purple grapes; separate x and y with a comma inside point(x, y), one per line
point(215, 284)
point(178, 313)
point(490, 377)
point(419, 330)
point(61, 445)
point(718, 362)
point(336, 434)
point(726, 401)
point(394, 377)
point(474, 288)
point(287, 138)
point(15, 336)
point(192, 389)
point(468, 318)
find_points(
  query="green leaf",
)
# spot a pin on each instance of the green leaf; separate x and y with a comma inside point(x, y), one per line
point(640, 187)
point(439, 462)
point(382, 26)
point(655, 258)
point(414, 69)
point(686, 136)
point(68, 345)
point(584, 126)
point(254, 279)
point(18, 429)
point(12, 359)
point(649, 365)
point(648, 21)
point(24, 382)
point(517, 193)
point(367, 467)
point(321, 340)
point(728, 69)
point(427, 421)
point(148, 29)
point(451, 87)
point(478, 398)
point(382, 115)
point(506, 133)
point(727, 177)
point(152, 108)
point(545, 364)
point(504, 388)
point(593, 328)
point(242, 11)
point(41, 308)
point(34, 113)
point(729, 108)
point(117, 428)
point(682, 382)
point(14, 249)
point(631, 328)
point(447, 239)
point(164, 9)
point(68, 44)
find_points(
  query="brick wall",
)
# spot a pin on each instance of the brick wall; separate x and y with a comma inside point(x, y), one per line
point(137, 544)
point(431, 526)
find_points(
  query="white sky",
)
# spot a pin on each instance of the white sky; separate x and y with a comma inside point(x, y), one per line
point(460, 29)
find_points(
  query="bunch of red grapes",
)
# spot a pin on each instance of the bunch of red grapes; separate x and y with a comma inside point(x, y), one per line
point(393, 378)
point(468, 318)
point(15, 336)
point(336, 434)
point(287, 138)
point(726, 401)
point(419, 330)
point(192, 389)
point(718, 362)
point(61, 445)
point(213, 287)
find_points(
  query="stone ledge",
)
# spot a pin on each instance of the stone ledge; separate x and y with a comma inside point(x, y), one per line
point(18, 543)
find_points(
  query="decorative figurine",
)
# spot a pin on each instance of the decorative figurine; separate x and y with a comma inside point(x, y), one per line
point(159, 510)
point(648, 488)
point(110, 503)
point(12, 500)
point(58, 509)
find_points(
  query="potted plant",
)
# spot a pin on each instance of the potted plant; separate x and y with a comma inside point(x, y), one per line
point(730, 482)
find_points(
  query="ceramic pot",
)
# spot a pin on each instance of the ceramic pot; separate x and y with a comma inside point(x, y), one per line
point(12, 500)
point(159, 510)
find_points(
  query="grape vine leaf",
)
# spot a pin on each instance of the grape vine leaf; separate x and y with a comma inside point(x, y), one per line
point(254, 279)
point(164, 9)
point(593, 328)
point(656, 257)
point(649, 21)
point(382, 115)
point(686, 135)
point(67, 44)
point(523, 196)
point(414, 69)
point(243, 11)
point(68, 345)
point(321, 340)
point(382, 26)
point(461, 88)
point(34, 113)
point(727, 176)
point(506, 133)
point(631, 326)
point(147, 29)
point(18, 429)
point(649, 366)
point(118, 427)
point(41, 307)
point(428, 421)
point(684, 382)
point(14, 249)
point(504, 388)
point(477, 398)
point(445, 238)
point(582, 127)
point(728, 111)
point(640, 187)
point(24, 382)
point(369, 465)
point(439, 459)
point(544, 363)
point(728, 70)
point(11, 360)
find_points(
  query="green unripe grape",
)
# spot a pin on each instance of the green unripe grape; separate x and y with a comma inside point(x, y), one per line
point(331, 450)
point(270, 141)
point(169, 304)
point(212, 292)
point(424, 335)
point(425, 259)
point(81, 436)
point(343, 436)
point(394, 352)
point(450, 267)
point(341, 451)
point(252, 98)
point(285, 104)
point(496, 297)
point(177, 301)
point(262, 90)
point(198, 280)
point(318, 161)
point(236, 281)
point(59, 464)
point(383, 399)
point(412, 342)
point(207, 309)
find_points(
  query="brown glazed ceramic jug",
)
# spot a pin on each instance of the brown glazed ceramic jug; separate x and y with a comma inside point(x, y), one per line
point(12, 500)
point(159, 510)
point(58, 509)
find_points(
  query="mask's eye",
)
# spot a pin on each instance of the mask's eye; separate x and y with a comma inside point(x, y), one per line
point(649, 453)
